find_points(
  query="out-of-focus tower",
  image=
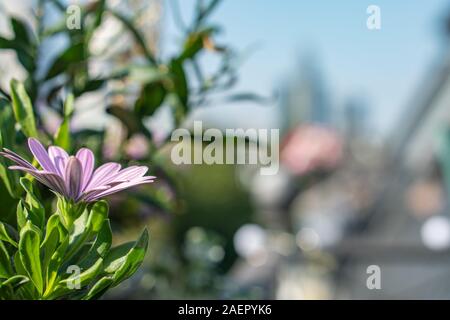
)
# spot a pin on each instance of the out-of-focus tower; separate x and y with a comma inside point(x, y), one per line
point(304, 99)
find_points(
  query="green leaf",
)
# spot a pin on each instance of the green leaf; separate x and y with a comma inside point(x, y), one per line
point(9, 289)
point(205, 10)
point(86, 276)
point(180, 82)
point(99, 288)
point(23, 110)
point(9, 177)
point(97, 216)
point(16, 281)
point(101, 245)
point(123, 266)
point(29, 250)
point(6, 43)
point(71, 56)
point(151, 97)
point(54, 266)
point(20, 31)
point(22, 214)
point(193, 45)
point(21, 45)
point(62, 136)
point(99, 9)
point(35, 210)
point(28, 290)
point(5, 234)
point(51, 241)
point(129, 120)
point(6, 270)
point(27, 60)
point(69, 106)
point(53, 223)
point(136, 34)
point(78, 236)
point(89, 86)
point(19, 265)
point(86, 227)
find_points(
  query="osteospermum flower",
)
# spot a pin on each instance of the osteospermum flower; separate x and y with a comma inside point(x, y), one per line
point(74, 177)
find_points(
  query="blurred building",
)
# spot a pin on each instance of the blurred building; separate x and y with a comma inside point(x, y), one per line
point(305, 98)
point(407, 230)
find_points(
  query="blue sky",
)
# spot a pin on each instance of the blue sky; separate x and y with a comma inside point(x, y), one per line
point(384, 67)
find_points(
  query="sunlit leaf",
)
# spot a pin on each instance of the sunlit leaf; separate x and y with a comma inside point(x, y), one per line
point(62, 136)
point(29, 250)
point(151, 97)
point(7, 234)
point(72, 55)
point(6, 270)
point(23, 109)
point(35, 210)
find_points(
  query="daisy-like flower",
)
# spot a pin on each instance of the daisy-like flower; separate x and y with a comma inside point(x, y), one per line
point(74, 177)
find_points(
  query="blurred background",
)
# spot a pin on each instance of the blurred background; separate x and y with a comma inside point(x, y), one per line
point(364, 126)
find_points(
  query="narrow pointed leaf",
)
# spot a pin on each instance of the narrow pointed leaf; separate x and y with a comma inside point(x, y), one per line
point(124, 266)
point(7, 234)
point(23, 110)
point(36, 211)
point(6, 270)
point(99, 288)
point(29, 250)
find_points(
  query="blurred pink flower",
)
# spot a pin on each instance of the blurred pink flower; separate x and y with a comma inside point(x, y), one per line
point(310, 147)
point(137, 147)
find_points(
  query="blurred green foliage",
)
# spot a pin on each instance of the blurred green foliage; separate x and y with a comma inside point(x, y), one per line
point(199, 197)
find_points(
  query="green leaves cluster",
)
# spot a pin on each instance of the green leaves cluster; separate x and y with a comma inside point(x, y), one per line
point(23, 42)
point(16, 121)
point(53, 259)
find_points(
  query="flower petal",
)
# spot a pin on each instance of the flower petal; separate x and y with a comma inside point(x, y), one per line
point(49, 179)
point(73, 177)
point(131, 173)
point(103, 175)
point(16, 158)
point(86, 158)
point(93, 192)
point(41, 155)
point(59, 158)
point(57, 181)
point(120, 187)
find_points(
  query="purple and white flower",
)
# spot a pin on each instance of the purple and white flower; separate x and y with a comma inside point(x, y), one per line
point(74, 177)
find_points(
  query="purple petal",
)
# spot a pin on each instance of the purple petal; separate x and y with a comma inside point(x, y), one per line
point(34, 172)
point(59, 158)
point(73, 177)
point(41, 155)
point(131, 173)
point(49, 179)
point(56, 181)
point(86, 158)
point(16, 158)
point(120, 187)
point(93, 192)
point(103, 175)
